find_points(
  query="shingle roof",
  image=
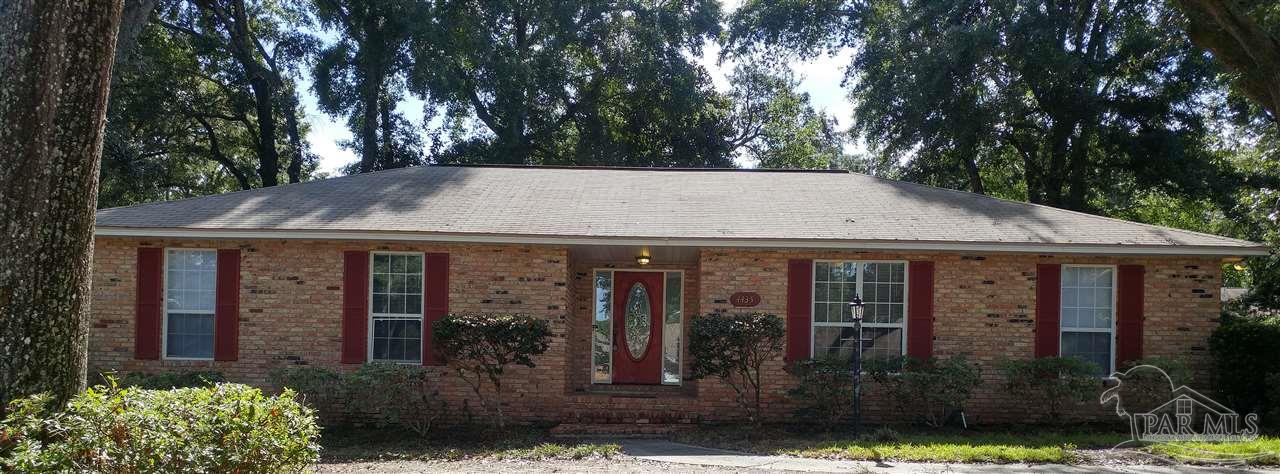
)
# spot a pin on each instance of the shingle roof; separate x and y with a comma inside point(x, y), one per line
point(683, 205)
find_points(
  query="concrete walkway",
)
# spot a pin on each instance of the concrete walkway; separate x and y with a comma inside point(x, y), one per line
point(672, 452)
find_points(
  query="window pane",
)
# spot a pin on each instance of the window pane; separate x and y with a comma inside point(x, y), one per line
point(602, 329)
point(413, 264)
point(397, 285)
point(671, 330)
point(398, 340)
point(189, 335)
point(1093, 347)
point(1086, 297)
point(841, 342)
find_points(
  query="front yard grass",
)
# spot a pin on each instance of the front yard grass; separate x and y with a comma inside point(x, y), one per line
point(526, 444)
point(988, 445)
point(1031, 446)
point(1262, 451)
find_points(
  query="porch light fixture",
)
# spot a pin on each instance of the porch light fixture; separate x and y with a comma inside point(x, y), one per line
point(642, 259)
point(855, 310)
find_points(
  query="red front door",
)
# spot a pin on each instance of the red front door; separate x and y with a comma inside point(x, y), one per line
point(637, 327)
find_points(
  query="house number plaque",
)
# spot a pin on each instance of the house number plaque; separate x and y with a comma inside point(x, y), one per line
point(744, 299)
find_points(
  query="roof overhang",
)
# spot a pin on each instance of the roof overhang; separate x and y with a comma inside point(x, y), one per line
point(949, 246)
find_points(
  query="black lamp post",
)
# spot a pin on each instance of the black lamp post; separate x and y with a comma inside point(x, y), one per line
point(855, 310)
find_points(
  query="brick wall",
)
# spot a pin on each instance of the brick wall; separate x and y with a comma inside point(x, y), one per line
point(984, 309)
point(291, 306)
point(291, 314)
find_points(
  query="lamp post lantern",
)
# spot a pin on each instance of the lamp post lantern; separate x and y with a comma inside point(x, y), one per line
point(855, 310)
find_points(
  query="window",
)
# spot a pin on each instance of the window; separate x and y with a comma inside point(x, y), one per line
point(1088, 310)
point(882, 286)
point(396, 307)
point(190, 284)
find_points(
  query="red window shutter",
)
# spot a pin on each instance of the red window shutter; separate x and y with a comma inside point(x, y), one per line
point(146, 337)
point(226, 313)
point(355, 306)
point(436, 301)
point(1048, 308)
point(799, 309)
point(1130, 293)
point(920, 310)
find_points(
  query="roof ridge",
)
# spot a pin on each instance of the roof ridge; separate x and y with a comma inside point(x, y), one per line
point(1046, 206)
point(268, 188)
point(643, 168)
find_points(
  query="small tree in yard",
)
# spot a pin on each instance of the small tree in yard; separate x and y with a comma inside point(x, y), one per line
point(480, 346)
point(1051, 382)
point(733, 348)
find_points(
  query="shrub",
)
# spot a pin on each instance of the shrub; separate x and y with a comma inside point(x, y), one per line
point(733, 348)
point(169, 380)
point(1051, 382)
point(1143, 389)
point(324, 390)
point(480, 346)
point(396, 395)
point(386, 394)
point(1244, 355)
point(931, 390)
point(823, 391)
point(224, 428)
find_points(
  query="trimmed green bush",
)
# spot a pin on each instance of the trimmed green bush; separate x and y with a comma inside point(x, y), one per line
point(733, 348)
point(224, 428)
point(1244, 355)
point(930, 390)
point(479, 347)
point(1051, 383)
point(384, 394)
point(168, 380)
point(823, 392)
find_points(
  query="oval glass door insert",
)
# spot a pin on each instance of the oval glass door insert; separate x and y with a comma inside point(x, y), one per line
point(638, 320)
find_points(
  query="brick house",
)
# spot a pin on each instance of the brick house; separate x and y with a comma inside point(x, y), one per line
point(342, 271)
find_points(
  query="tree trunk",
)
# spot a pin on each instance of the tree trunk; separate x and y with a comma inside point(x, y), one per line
point(299, 154)
point(55, 58)
point(268, 156)
point(388, 133)
point(969, 159)
point(369, 123)
point(132, 21)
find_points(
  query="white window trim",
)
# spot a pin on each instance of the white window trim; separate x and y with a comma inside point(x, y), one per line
point(813, 302)
point(612, 288)
point(164, 300)
point(1114, 290)
point(396, 316)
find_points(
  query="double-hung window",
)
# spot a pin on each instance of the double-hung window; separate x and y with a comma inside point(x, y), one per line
point(883, 288)
point(189, 287)
point(396, 307)
point(1088, 314)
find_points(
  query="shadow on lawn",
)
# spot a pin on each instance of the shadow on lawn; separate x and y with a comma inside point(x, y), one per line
point(989, 444)
point(352, 444)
